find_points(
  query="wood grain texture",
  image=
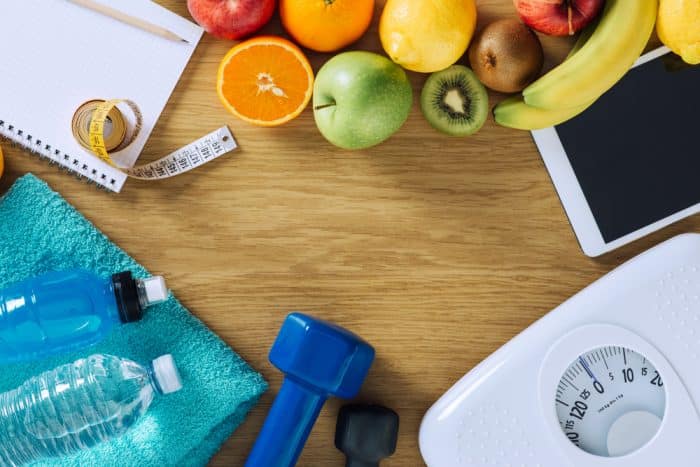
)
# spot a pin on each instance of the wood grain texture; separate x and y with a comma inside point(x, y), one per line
point(436, 250)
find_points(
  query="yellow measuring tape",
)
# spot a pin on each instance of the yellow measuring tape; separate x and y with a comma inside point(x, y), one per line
point(109, 126)
point(94, 117)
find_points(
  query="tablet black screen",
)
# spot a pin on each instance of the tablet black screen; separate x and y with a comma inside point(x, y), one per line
point(636, 151)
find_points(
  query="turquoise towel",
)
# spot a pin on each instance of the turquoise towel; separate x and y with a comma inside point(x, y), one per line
point(39, 232)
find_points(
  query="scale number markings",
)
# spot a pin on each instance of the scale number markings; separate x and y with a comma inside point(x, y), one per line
point(605, 389)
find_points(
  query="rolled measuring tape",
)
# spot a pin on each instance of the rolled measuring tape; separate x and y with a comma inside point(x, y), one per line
point(103, 127)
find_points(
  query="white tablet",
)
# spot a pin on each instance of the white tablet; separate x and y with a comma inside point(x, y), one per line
point(630, 164)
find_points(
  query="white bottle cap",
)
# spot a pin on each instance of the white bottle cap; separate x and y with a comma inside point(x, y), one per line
point(156, 291)
point(166, 374)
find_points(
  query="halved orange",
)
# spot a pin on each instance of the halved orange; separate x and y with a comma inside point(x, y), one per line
point(266, 81)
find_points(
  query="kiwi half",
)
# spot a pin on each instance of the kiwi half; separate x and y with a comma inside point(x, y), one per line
point(454, 101)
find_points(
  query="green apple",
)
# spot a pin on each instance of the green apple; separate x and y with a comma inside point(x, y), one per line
point(360, 99)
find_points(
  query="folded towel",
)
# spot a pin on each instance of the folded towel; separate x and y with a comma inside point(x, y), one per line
point(40, 232)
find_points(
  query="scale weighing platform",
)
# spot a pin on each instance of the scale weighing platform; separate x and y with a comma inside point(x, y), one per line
point(609, 378)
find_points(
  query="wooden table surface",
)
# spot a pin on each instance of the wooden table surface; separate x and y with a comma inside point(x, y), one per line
point(436, 250)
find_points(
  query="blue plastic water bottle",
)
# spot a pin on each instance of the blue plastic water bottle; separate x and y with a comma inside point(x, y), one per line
point(66, 310)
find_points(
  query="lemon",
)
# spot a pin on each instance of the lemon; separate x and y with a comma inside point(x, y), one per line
point(427, 35)
point(678, 26)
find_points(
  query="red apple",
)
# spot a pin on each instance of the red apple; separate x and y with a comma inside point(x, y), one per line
point(558, 17)
point(231, 19)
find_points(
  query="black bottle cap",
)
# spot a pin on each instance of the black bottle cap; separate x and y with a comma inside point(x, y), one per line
point(127, 297)
point(366, 434)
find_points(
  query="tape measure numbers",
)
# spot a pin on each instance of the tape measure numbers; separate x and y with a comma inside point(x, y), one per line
point(107, 126)
point(101, 127)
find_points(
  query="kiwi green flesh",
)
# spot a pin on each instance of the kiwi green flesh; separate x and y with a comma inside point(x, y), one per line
point(454, 101)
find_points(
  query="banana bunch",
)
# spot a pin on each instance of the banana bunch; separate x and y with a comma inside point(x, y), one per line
point(601, 57)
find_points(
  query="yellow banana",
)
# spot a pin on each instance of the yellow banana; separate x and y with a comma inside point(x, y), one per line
point(583, 37)
point(515, 113)
point(618, 40)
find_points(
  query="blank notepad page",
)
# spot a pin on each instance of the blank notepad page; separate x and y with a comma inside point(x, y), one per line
point(58, 55)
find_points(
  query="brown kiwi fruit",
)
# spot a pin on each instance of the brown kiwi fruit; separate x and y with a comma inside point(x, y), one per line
point(506, 56)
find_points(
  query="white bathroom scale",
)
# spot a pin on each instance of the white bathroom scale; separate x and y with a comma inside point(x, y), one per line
point(609, 378)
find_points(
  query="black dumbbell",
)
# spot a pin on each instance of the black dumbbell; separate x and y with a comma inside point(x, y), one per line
point(366, 434)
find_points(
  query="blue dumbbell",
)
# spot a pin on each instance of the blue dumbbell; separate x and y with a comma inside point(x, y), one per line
point(319, 360)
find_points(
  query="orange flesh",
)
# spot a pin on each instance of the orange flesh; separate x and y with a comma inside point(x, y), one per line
point(265, 83)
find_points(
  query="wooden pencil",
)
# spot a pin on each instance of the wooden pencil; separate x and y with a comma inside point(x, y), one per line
point(130, 20)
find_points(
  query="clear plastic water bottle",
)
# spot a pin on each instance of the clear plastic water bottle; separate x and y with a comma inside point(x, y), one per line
point(66, 310)
point(79, 405)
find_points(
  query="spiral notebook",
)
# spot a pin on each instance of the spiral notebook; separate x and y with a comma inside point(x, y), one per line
point(57, 55)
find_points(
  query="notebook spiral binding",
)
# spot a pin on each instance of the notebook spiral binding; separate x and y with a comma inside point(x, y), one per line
point(64, 162)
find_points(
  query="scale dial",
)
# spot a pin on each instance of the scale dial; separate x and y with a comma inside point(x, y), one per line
point(610, 401)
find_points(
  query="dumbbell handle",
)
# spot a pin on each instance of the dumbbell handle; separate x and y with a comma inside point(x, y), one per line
point(286, 427)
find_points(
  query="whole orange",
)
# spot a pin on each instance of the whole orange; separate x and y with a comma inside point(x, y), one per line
point(326, 25)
